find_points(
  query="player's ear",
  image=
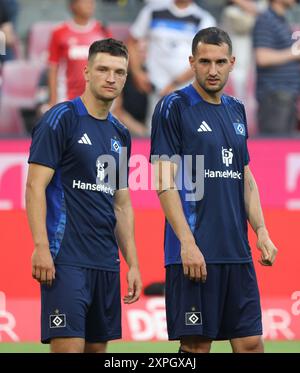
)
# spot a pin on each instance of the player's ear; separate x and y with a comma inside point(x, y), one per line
point(192, 62)
point(86, 73)
point(232, 62)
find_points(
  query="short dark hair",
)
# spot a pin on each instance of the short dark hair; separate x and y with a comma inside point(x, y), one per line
point(211, 35)
point(111, 46)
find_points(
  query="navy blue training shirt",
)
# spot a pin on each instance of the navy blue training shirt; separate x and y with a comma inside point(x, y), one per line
point(184, 124)
point(80, 196)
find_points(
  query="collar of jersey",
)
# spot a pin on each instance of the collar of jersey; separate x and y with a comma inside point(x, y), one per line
point(195, 97)
point(182, 12)
point(81, 28)
point(80, 108)
point(82, 111)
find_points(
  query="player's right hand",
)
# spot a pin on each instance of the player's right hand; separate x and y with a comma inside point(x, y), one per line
point(194, 266)
point(267, 248)
point(43, 269)
point(134, 285)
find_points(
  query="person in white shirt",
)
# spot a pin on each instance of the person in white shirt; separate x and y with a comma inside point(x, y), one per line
point(168, 29)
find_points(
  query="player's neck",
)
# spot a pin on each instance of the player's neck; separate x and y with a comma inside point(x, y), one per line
point(278, 8)
point(80, 21)
point(97, 108)
point(211, 97)
point(182, 4)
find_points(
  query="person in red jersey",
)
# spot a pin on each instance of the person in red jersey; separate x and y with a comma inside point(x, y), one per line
point(69, 47)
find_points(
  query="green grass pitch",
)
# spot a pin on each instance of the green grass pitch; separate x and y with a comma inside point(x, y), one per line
point(150, 347)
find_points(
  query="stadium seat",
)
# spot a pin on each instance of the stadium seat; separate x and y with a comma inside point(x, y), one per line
point(39, 37)
point(11, 123)
point(119, 30)
point(19, 83)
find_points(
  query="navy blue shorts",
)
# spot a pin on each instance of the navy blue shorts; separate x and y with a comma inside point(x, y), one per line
point(82, 303)
point(227, 306)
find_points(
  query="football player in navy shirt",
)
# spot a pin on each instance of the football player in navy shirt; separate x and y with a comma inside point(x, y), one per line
point(211, 286)
point(79, 210)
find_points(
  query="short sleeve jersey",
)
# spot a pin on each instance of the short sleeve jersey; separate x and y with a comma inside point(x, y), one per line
point(69, 46)
point(169, 31)
point(80, 197)
point(184, 124)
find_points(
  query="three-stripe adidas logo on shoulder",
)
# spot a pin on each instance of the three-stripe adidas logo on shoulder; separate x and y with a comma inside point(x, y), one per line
point(204, 127)
point(85, 140)
point(56, 114)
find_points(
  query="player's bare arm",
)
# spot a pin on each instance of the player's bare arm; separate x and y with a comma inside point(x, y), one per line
point(39, 176)
point(124, 232)
point(52, 82)
point(8, 30)
point(139, 75)
point(192, 259)
point(183, 78)
point(256, 219)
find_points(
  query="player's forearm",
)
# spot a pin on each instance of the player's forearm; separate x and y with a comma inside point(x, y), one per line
point(124, 232)
point(181, 79)
point(172, 207)
point(130, 122)
point(136, 64)
point(8, 30)
point(52, 83)
point(252, 203)
point(165, 173)
point(268, 57)
point(36, 213)
point(248, 6)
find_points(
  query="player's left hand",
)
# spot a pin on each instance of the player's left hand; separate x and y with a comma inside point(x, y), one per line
point(134, 286)
point(267, 248)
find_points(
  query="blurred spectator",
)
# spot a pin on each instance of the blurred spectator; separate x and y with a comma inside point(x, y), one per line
point(278, 70)
point(8, 16)
point(69, 47)
point(131, 106)
point(238, 19)
point(214, 7)
point(157, 1)
point(12, 7)
point(32, 115)
point(169, 29)
point(293, 16)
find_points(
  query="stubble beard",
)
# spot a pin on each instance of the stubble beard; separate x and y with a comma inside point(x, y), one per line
point(104, 98)
point(213, 90)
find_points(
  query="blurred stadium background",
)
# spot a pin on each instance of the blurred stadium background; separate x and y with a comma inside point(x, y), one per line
point(275, 163)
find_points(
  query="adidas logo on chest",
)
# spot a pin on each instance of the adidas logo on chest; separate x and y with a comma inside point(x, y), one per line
point(85, 140)
point(204, 127)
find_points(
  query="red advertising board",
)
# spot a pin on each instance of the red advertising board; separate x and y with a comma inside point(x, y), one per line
point(276, 166)
point(144, 320)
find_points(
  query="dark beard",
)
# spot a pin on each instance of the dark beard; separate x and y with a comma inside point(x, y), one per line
point(216, 89)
